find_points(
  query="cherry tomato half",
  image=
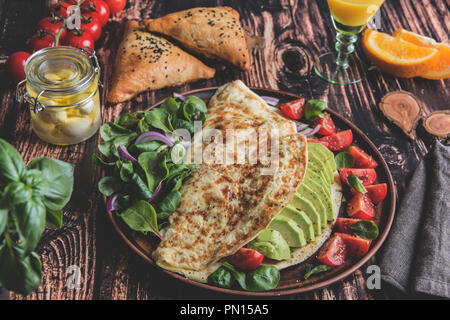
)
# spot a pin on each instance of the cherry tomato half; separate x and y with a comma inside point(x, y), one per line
point(246, 259)
point(362, 159)
point(367, 176)
point(333, 253)
point(52, 25)
point(79, 39)
point(98, 6)
point(116, 6)
point(15, 66)
point(356, 246)
point(339, 141)
point(327, 126)
point(360, 207)
point(294, 110)
point(377, 192)
point(318, 141)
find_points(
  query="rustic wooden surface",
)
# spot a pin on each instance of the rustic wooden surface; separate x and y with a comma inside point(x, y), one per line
point(109, 269)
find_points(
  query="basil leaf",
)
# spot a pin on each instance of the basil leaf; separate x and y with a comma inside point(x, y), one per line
point(3, 220)
point(110, 131)
point(159, 119)
point(29, 218)
point(141, 217)
point(53, 219)
point(142, 190)
point(183, 124)
point(238, 275)
point(59, 176)
point(314, 108)
point(170, 105)
point(156, 168)
point(16, 192)
point(354, 182)
point(344, 160)
point(127, 120)
point(11, 163)
point(263, 278)
point(109, 185)
point(310, 270)
point(170, 202)
point(365, 229)
point(18, 273)
point(221, 278)
point(145, 147)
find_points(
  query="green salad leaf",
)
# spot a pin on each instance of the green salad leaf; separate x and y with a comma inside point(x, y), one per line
point(355, 183)
point(314, 108)
point(311, 270)
point(344, 160)
point(159, 170)
point(365, 229)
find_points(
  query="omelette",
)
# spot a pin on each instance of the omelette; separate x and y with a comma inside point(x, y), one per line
point(225, 205)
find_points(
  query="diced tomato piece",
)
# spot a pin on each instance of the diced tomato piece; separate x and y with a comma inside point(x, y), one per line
point(367, 176)
point(327, 126)
point(344, 224)
point(246, 259)
point(318, 141)
point(362, 159)
point(356, 246)
point(339, 141)
point(377, 192)
point(360, 207)
point(333, 253)
point(294, 110)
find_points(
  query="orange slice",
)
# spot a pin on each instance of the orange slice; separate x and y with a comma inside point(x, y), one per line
point(397, 56)
point(442, 69)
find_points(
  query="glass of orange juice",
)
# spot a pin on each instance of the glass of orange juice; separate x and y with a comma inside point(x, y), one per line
point(349, 18)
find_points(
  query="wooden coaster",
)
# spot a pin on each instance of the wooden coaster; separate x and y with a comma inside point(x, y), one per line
point(438, 124)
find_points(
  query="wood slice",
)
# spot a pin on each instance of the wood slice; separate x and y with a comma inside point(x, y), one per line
point(403, 109)
point(438, 123)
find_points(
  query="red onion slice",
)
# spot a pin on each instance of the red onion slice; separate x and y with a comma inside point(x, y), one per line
point(156, 194)
point(152, 136)
point(177, 95)
point(271, 100)
point(311, 131)
point(301, 126)
point(124, 153)
point(111, 204)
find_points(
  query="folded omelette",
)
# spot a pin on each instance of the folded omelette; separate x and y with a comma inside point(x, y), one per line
point(226, 205)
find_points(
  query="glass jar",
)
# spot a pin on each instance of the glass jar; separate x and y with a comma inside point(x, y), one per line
point(61, 90)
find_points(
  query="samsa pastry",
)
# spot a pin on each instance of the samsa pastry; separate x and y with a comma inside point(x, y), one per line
point(148, 62)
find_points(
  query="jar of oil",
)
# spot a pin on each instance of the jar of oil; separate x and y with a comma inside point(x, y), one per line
point(61, 90)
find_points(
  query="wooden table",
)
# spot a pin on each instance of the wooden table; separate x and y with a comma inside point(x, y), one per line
point(109, 269)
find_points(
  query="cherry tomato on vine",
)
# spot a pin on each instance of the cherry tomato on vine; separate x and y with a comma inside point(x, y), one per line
point(15, 66)
point(98, 6)
point(61, 8)
point(92, 24)
point(79, 39)
point(52, 25)
point(116, 6)
point(41, 41)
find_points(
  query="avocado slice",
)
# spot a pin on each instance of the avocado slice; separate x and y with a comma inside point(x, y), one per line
point(318, 168)
point(319, 179)
point(310, 195)
point(319, 163)
point(272, 245)
point(293, 235)
point(322, 194)
point(302, 220)
point(325, 155)
point(305, 205)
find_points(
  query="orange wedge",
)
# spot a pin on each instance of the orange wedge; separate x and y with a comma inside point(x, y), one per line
point(399, 57)
point(442, 69)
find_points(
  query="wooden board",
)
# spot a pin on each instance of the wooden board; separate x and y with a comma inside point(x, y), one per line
point(108, 269)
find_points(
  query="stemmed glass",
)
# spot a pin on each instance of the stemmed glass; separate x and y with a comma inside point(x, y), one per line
point(349, 18)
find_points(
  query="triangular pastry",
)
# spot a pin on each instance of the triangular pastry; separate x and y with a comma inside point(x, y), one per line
point(147, 62)
point(213, 32)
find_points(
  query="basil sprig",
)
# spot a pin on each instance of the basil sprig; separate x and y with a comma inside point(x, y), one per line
point(31, 198)
point(314, 108)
